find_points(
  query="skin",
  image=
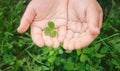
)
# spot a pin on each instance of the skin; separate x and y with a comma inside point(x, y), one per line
point(37, 15)
point(84, 23)
point(78, 22)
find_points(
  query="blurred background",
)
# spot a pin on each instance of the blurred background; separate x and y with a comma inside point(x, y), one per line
point(19, 53)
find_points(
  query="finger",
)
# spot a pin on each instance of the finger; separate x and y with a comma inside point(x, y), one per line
point(69, 34)
point(55, 42)
point(48, 40)
point(26, 19)
point(101, 19)
point(93, 18)
point(76, 35)
point(83, 41)
point(71, 44)
point(68, 37)
point(37, 37)
point(72, 26)
point(61, 33)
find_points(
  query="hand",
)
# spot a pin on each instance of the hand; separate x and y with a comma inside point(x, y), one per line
point(84, 23)
point(37, 15)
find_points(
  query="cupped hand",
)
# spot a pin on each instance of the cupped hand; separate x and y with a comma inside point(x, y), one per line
point(38, 13)
point(84, 23)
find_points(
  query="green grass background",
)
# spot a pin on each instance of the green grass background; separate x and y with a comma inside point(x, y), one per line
point(19, 53)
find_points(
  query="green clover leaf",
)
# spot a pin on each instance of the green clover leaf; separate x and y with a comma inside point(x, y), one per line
point(51, 24)
point(47, 30)
point(54, 33)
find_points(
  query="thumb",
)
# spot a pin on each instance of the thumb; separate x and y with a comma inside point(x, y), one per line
point(93, 19)
point(27, 19)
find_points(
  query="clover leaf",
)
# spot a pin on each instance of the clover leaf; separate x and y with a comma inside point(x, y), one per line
point(50, 29)
point(54, 33)
point(47, 30)
point(51, 24)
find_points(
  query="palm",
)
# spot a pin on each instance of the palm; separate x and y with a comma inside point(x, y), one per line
point(38, 13)
point(84, 22)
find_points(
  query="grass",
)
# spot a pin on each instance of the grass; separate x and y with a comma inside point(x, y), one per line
point(19, 53)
